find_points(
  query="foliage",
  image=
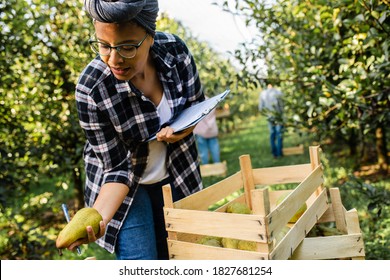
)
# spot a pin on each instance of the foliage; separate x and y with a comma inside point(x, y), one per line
point(41, 55)
point(216, 72)
point(371, 199)
point(331, 59)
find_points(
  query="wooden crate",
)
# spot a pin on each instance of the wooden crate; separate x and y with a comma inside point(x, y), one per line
point(349, 244)
point(214, 169)
point(297, 150)
point(189, 219)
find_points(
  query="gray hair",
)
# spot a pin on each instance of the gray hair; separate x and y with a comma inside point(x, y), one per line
point(144, 12)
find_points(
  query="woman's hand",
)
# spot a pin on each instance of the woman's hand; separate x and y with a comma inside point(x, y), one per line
point(167, 134)
point(91, 236)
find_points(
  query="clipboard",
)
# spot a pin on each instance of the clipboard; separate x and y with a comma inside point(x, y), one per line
point(194, 114)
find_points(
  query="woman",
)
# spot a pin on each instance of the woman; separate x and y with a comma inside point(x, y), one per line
point(140, 81)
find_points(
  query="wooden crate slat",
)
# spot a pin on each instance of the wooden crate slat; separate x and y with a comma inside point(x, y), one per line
point(247, 178)
point(290, 205)
point(281, 174)
point(353, 227)
point(214, 169)
point(297, 150)
point(208, 196)
point(338, 209)
point(299, 230)
point(328, 215)
point(185, 251)
point(238, 226)
point(329, 247)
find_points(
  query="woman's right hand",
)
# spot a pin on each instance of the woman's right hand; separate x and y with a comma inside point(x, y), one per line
point(91, 236)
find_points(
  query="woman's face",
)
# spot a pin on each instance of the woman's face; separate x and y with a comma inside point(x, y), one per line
point(115, 34)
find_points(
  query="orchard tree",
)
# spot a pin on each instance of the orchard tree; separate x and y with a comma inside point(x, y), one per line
point(332, 61)
point(43, 48)
point(217, 72)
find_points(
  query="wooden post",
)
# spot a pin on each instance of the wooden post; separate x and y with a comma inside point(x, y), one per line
point(338, 209)
point(353, 227)
point(315, 161)
point(247, 178)
point(168, 204)
point(261, 206)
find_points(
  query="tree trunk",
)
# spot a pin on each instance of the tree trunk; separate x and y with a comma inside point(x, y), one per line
point(352, 142)
point(381, 148)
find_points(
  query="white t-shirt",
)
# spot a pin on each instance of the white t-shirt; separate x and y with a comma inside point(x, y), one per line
point(156, 169)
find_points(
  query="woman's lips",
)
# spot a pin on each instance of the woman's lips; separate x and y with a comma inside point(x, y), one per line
point(120, 71)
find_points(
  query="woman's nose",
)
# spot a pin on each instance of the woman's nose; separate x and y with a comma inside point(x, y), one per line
point(115, 57)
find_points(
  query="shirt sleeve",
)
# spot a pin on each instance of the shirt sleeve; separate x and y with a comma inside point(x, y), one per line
point(102, 137)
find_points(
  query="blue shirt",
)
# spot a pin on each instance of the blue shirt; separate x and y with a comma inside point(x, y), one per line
point(117, 119)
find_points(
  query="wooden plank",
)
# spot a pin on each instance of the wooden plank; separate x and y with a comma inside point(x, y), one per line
point(260, 202)
point(168, 203)
point(297, 150)
point(299, 230)
point(203, 199)
point(314, 152)
point(261, 206)
point(190, 251)
point(328, 215)
point(247, 178)
point(353, 227)
point(214, 169)
point(279, 217)
point(329, 247)
point(281, 174)
point(338, 209)
point(238, 226)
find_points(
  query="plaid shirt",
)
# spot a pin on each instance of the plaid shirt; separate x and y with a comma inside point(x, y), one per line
point(117, 119)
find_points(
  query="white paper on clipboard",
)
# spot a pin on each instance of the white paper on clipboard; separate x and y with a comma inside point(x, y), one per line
point(195, 113)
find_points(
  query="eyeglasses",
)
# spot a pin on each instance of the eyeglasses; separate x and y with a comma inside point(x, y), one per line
point(124, 50)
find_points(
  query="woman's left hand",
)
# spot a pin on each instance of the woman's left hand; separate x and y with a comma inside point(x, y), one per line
point(167, 134)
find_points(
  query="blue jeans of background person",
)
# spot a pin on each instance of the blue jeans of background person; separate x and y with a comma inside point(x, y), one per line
point(276, 138)
point(207, 147)
point(143, 235)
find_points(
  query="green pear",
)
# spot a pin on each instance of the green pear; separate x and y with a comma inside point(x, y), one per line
point(211, 241)
point(238, 208)
point(229, 243)
point(76, 228)
point(247, 245)
point(298, 214)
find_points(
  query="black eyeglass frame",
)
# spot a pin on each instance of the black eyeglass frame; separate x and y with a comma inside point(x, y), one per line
point(118, 47)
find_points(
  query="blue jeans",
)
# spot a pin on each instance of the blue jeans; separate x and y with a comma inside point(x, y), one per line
point(276, 139)
point(207, 147)
point(143, 235)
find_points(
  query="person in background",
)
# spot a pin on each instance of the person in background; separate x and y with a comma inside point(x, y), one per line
point(138, 83)
point(206, 134)
point(271, 105)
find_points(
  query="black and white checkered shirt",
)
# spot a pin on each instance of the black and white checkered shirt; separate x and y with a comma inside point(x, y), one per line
point(117, 119)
